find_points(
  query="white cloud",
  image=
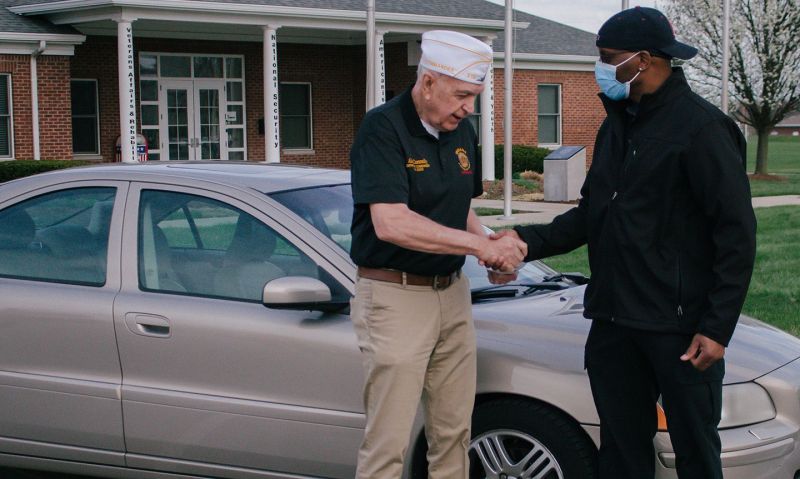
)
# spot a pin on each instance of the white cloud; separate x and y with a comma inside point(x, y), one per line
point(587, 15)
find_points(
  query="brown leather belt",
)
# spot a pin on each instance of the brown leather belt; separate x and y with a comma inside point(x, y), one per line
point(401, 277)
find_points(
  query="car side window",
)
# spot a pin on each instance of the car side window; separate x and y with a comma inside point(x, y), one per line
point(58, 237)
point(189, 244)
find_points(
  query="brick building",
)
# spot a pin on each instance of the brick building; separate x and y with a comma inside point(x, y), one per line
point(194, 83)
point(789, 126)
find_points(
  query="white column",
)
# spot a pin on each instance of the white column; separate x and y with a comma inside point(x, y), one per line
point(127, 91)
point(370, 45)
point(272, 138)
point(487, 123)
point(35, 109)
point(380, 70)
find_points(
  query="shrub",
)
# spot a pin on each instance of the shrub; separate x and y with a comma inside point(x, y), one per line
point(11, 170)
point(532, 175)
point(523, 158)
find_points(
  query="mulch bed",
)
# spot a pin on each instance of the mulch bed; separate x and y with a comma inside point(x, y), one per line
point(493, 190)
point(767, 177)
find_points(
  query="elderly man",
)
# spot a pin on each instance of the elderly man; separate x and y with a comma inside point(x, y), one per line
point(666, 212)
point(415, 168)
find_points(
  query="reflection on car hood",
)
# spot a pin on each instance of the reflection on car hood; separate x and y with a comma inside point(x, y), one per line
point(550, 331)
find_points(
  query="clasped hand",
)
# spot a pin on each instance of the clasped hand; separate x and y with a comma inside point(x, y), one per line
point(503, 251)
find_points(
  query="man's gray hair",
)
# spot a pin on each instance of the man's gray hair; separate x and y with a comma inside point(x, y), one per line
point(421, 70)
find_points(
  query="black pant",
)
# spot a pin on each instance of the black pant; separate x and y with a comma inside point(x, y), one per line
point(628, 370)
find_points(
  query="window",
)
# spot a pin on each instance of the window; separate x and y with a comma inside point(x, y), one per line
point(295, 107)
point(549, 114)
point(235, 114)
point(58, 237)
point(327, 208)
point(6, 119)
point(85, 118)
point(194, 245)
point(475, 118)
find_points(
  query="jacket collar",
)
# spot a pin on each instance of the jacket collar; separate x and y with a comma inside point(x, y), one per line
point(674, 85)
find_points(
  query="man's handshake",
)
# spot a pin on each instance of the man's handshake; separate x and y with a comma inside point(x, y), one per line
point(503, 251)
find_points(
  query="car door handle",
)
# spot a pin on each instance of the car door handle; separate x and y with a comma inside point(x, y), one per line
point(148, 325)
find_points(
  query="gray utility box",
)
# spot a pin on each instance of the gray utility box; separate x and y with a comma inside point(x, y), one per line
point(564, 172)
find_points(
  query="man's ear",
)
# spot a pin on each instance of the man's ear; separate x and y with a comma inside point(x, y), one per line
point(645, 60)
point(427, 84)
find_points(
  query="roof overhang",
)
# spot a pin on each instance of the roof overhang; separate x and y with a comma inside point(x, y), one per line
point(547, 61)
point(29, 43)
point(72, 12)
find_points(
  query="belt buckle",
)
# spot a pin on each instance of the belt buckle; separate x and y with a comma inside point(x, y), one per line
point(436, 282)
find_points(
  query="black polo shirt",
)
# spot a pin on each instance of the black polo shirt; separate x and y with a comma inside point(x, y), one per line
point(395, 160)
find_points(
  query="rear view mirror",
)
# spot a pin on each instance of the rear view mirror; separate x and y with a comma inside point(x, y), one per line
point(300, 293)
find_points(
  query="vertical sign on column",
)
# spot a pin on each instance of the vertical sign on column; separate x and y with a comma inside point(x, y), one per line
point(380, 70)
point(487, 123)
point(127, 92)
point(271, 104)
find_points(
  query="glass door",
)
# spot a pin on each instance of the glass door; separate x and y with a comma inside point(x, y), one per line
point(209, 120)
point(192, 120)
point(176, 102)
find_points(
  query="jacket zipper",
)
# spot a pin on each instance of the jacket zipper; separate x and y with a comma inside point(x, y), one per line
point(680, 290)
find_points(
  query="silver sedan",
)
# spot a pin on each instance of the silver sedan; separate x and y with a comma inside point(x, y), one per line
point(191, 320)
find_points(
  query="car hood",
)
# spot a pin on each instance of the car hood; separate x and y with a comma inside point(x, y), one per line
point(549, 331)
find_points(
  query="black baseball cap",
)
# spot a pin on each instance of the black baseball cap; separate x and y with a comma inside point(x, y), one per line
point(642, 28)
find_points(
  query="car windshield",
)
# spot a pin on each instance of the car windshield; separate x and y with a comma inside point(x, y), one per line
point(330, 210)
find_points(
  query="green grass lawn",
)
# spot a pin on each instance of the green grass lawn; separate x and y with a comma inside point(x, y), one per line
point(774, 295)
point(784, 160)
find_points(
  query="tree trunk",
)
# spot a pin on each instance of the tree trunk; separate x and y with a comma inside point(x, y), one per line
point(761, 152)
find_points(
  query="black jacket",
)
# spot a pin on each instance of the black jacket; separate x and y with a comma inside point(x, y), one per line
point(667, 214)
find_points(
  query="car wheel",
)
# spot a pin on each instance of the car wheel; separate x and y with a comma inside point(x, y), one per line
point(518, 439)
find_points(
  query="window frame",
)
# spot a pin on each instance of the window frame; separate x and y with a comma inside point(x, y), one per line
point(11, 151)
point(310, 148)
point(477, 115)
point(96, 154)
point(559, 116)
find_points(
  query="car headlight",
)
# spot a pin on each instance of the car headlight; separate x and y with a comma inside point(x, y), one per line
point(742, 404)
point(745, 403)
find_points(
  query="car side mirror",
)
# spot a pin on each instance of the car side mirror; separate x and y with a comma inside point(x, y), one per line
point(299, 293)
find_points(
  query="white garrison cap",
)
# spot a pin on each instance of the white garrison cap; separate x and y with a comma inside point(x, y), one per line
point(457, 55)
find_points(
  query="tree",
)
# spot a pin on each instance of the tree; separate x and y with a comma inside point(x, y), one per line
point(764, 78)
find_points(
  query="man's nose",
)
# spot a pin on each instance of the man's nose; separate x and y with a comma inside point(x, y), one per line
point(469, 107)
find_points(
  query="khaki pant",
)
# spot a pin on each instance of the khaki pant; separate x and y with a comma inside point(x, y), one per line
point(416, 342)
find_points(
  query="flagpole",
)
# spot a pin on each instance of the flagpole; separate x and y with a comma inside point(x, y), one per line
point(726, 27)
point(508, 73)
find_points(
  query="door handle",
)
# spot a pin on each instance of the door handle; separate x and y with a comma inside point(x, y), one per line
point(148, 325)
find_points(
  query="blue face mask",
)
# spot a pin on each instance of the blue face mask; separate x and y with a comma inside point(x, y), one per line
point(606, 76)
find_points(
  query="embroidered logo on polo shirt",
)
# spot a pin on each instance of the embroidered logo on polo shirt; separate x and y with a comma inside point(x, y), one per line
point(463, 160)
point(417, 165)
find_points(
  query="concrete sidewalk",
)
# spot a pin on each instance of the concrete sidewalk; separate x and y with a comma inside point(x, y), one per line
point(541, 212)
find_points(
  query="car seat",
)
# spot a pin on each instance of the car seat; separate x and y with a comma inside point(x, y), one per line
point(246, 268)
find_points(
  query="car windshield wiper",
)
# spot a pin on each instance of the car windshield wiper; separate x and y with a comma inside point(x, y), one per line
point(577, 278)
point(513, 289)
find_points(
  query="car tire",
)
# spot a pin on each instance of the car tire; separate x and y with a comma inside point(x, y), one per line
point(526, 439)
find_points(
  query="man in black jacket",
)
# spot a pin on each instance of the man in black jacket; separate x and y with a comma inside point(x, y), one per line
point(667, 214)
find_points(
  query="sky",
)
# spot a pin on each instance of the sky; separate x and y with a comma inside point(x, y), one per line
point(584, 14)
